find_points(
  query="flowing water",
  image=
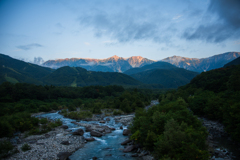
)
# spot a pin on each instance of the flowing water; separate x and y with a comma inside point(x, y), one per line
point(107, 147)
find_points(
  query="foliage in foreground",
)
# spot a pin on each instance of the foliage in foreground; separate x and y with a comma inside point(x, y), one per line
point(171, 131)
point(6, 148)
point(214, 95)
point(25, 147)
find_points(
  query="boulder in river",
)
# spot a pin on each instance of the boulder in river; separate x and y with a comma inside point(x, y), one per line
point(126, 142)
point(108, 131)
point(64, 126)
point(90, 139)
point(78, 132)
point(126, 132)
point(100, 130)
point(88, 129)
point(96, 133)
point(63, 155)
point(121, 127)
point(129, 148)
point(102, 122)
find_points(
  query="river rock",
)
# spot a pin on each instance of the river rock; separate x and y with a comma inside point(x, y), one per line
point(102, 122)
point(96, 133)
point(47, 135)
point(64, 126)
point(94, 158)
point(129, 148)
point(143, 153)
point(126, 142)
point(88, 129)
point(134, 155)
point(121, 127)
point(63, 155)
point(78, 132)
point(74, 122)
point(108, 131)
point(90, 139)
point(65, 143)
point(126, 132)
point(100, 130)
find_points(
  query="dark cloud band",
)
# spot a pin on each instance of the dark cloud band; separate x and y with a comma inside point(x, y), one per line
point(29, 46)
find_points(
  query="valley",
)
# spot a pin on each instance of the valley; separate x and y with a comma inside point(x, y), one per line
point(80, 105)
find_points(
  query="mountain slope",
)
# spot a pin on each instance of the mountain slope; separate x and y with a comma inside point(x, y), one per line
point(156, 65)
point(71, 76)
point(169, 78)
point(138, 61)
point(204, 64)
point(19, 71)
point(234, 62)
point(112, 64)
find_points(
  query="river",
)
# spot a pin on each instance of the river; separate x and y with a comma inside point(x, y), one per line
point(107, 147)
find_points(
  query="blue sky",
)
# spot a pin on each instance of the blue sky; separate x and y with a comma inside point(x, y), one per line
point(153, 29)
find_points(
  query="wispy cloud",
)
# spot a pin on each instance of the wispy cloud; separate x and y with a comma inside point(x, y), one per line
point(226, 24)
point(88, 64)
point(87, 43)
point(177, 17)
point(29, 46)
point(126, 26)
point(106, 64)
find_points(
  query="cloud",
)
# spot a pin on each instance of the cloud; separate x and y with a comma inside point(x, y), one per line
point(59, 25)
point(222, 23)
point(29, 46)
point(88, 64)
point(38, 60)
point(177, 17)
point(126, 26)
point(87, 44)
point(106, 64)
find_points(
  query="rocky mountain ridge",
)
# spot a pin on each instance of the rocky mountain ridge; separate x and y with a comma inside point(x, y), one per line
point(203, 64)
point(120, 64)
point(111, 64)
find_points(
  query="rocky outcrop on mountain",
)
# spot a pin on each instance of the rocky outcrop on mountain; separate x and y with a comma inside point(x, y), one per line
point(138, 61)
point(203, 64)
point(112, 64)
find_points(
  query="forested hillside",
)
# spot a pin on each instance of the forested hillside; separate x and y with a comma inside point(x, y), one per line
point(170, 130)
point(77, 76)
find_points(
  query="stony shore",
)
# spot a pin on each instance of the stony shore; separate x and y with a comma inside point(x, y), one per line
point(47, 146)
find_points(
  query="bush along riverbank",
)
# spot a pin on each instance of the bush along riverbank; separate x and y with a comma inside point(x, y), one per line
point(170, 131)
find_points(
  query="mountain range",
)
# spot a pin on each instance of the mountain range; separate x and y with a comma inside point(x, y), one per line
point(203, 64)
point(15, 71)
point(112, 64)
point(120, 64)
point(154, 75)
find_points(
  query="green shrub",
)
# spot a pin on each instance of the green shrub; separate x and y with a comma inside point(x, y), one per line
point(25, 147)
point(79, 115)
point(43, 121)
point(117, 112)
point(5, 147)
